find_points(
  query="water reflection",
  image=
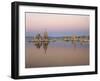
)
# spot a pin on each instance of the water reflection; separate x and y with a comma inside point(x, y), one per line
point(38, 44)
point(58, 43)
point(43, 41)
point(45, 46)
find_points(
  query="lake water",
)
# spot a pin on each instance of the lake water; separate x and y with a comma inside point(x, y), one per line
point(57, 53)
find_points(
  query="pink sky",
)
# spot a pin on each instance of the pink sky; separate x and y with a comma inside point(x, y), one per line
point(39, 22)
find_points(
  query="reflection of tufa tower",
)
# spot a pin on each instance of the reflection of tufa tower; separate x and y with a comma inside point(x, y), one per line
point(45, 46)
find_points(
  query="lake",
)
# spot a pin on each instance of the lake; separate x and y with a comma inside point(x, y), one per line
point(55, 53)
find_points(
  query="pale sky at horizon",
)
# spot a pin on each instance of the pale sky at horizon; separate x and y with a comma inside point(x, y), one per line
point(37, 22)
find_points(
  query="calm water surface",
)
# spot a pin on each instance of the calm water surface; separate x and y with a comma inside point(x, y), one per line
point(56, 53)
